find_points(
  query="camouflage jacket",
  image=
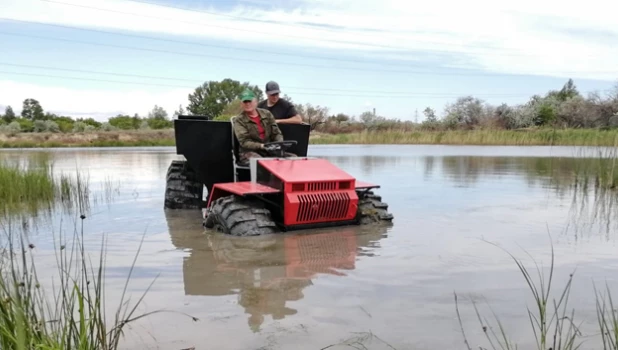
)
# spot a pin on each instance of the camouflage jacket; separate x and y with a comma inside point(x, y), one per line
point(248, 134)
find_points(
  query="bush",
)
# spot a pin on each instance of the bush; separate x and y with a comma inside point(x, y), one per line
point(144, 125)
point(25, 125)
point(52, 126)
point(11, 129)
point(39, 126)
point(108, 127)
point(79, 127)
point(45, 126)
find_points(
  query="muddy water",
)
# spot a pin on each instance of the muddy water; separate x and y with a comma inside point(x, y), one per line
point(312, 289)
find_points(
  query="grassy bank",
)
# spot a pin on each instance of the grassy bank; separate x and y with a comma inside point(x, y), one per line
point(134, 138)
point(570, 137)
point(142, 138)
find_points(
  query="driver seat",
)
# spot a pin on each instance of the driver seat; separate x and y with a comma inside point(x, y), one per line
point(245, 169)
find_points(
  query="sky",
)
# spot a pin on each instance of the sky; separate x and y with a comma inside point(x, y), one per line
point(100, 58)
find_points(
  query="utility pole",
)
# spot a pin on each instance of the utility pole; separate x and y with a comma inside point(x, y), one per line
point(416, 116)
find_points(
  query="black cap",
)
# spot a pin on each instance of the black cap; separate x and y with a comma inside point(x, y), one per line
point(272, 88)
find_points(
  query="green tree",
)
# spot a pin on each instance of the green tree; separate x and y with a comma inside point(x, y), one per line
point(465, 111)
point(545, 115)
point(65, 124)
point(430, 115)
point(211, 98)
point(568, 91)
point(158, 113)
point(231, 109)
point(124, 122)
point(313, 115)
point(180, 111)
point(26, 125)
point(89, 121)
point(32, 110)
point(9, 115)
point(157, 118)
point(342, 118)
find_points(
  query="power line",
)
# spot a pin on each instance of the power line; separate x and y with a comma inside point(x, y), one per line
point(260, 32)
point(254, 60)
point(209, 45)
point(328, 30)
point(192, 87)
point(92, 79)
point(200, 82)
point(217, 26)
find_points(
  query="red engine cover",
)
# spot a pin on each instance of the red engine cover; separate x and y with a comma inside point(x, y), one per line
point(315, 207)
point(315, 191)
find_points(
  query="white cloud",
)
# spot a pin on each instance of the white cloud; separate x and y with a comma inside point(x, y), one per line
point(503, 37)
point(528, 37)
point(98, 104)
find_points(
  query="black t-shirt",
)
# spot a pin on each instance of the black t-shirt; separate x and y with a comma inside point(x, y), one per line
point(281, 110)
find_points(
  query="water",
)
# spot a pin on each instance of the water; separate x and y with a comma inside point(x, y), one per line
point(310, 290)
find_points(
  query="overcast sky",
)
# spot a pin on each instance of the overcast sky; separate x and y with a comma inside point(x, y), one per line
point(104, 57)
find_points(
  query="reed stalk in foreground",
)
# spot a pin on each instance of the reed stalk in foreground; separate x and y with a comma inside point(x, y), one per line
point(74, 318)
point(552, 324)
point(607, 317)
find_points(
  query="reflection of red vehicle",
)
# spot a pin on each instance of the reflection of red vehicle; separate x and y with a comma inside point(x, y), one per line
point(321, 253)
point(266, 271)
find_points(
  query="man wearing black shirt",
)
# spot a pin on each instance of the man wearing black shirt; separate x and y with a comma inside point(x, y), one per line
point(283, 110)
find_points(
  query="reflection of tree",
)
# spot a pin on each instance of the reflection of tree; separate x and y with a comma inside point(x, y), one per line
point(268, 271)
point(560, 174)
point(367, 164)
point(585, 181)
point(429, 166)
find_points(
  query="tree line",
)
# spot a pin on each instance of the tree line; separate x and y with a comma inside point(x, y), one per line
point(563, 108)
point(33, 118)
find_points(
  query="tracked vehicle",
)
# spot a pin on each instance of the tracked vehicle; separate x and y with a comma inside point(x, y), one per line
point(271, 194)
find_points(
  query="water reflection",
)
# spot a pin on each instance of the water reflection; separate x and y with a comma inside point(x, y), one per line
point(367, 164)
point(592, 205)
point(266, 272)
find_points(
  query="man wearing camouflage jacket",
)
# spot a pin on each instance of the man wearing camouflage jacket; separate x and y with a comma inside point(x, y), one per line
point(253, 128)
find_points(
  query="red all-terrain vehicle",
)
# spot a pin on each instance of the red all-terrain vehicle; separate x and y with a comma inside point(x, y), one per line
point(271, 194)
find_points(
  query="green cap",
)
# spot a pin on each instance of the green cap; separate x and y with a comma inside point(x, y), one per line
point(247, 95)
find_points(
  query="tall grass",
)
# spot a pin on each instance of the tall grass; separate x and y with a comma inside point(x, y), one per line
point(574, 137)
point(551, 320)
point(32, 181)
point(30, 185)
point(74, 317)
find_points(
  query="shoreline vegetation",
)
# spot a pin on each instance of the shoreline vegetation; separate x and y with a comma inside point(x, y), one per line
point(558, 117)
point(165, 137)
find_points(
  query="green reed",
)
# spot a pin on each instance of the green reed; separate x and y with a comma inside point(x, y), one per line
point(30, 185)
point(74, 316)
point(551, 319)
point(535, 137)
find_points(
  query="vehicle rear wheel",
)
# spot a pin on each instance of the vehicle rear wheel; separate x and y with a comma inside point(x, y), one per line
point(371, 209)
point(238, 216)
point(182, 189)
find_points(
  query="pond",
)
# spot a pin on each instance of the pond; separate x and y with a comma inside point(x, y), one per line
point(383, 286)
